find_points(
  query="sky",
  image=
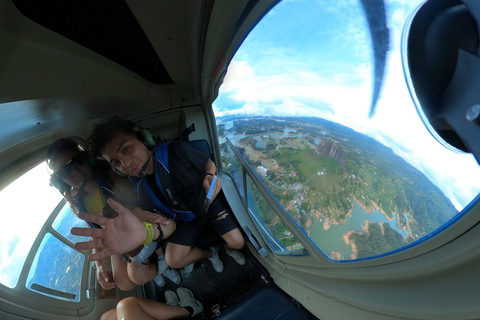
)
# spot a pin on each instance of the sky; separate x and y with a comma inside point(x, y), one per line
point(24, 207)
point(314, 58)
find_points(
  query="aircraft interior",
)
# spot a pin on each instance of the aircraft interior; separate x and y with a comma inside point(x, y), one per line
point(290, 179)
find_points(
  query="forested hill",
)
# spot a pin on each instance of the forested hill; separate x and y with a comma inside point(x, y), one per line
point(411, 188)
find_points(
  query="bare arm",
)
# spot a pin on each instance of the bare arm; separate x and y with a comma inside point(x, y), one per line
point(148, 216)
point(167, 225)
point(102, 275)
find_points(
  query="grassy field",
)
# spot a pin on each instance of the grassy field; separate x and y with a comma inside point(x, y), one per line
point(308, 163)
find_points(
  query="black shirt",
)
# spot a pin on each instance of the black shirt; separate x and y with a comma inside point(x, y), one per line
point(186, 166)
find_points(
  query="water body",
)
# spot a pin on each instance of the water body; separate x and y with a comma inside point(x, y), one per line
point(234, 138)
point(287, 132)
point(332, 239)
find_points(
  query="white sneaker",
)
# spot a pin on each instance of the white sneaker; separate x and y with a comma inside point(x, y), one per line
point(236, 255)
point(216, 262)
point(173, 275)
point(171, 298)
point(159, 280)
point(189, 268)
point(188, 300)
point(145, 253)
point(162, 265)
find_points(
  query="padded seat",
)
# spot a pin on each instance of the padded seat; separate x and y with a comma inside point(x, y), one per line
point(201, 145)
point(266, 302)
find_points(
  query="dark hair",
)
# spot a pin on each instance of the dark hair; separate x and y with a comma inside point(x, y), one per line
point(104, 132)
point(63, 145)
point(58, 147)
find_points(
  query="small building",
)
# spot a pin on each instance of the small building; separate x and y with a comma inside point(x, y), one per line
point(262, 170)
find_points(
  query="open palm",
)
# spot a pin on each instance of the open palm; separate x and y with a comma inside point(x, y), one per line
point(119, 235)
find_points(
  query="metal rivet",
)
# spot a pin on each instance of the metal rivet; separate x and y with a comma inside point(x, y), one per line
point(473, 113)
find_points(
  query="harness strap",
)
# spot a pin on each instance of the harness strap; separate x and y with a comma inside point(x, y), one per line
point(164, 180)
point(160, 206)
point(176, 209)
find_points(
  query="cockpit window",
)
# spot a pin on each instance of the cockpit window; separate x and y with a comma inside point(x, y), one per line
point(338, 143)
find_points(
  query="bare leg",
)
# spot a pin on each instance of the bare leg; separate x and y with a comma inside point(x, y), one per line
point(168, 229)
point(143, 273)
point(234, 238)
point(159, 251)
point(120, 274)
point(109, 315)
point(133, 308)
point(179, 256)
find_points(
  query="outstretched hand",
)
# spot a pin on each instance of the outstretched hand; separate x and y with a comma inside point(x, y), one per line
point(119, 235)
point(102, 277)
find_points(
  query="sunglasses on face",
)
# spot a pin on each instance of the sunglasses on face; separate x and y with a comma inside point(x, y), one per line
point(67, 169)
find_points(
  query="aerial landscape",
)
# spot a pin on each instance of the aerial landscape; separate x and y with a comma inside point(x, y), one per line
point(354, 197)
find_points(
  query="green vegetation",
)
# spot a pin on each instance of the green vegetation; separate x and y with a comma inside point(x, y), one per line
point(271, 145)
point(356, 169)
point(375, 243)
point(265, 213)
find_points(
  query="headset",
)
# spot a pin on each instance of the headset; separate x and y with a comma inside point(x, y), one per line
point(144, 135)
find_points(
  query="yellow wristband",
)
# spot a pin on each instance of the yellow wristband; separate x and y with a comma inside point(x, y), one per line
point(150, 233)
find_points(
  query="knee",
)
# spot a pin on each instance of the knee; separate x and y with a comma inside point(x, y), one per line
point(141, 275)
point(126, 304)
point(235, 240)
point(175, 255)
point(125, 284)
point(174, 261)
point(237, 244)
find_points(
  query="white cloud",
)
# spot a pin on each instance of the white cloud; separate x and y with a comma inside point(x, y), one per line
point(340, 90)
point(345, 91)
point(30, 200)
